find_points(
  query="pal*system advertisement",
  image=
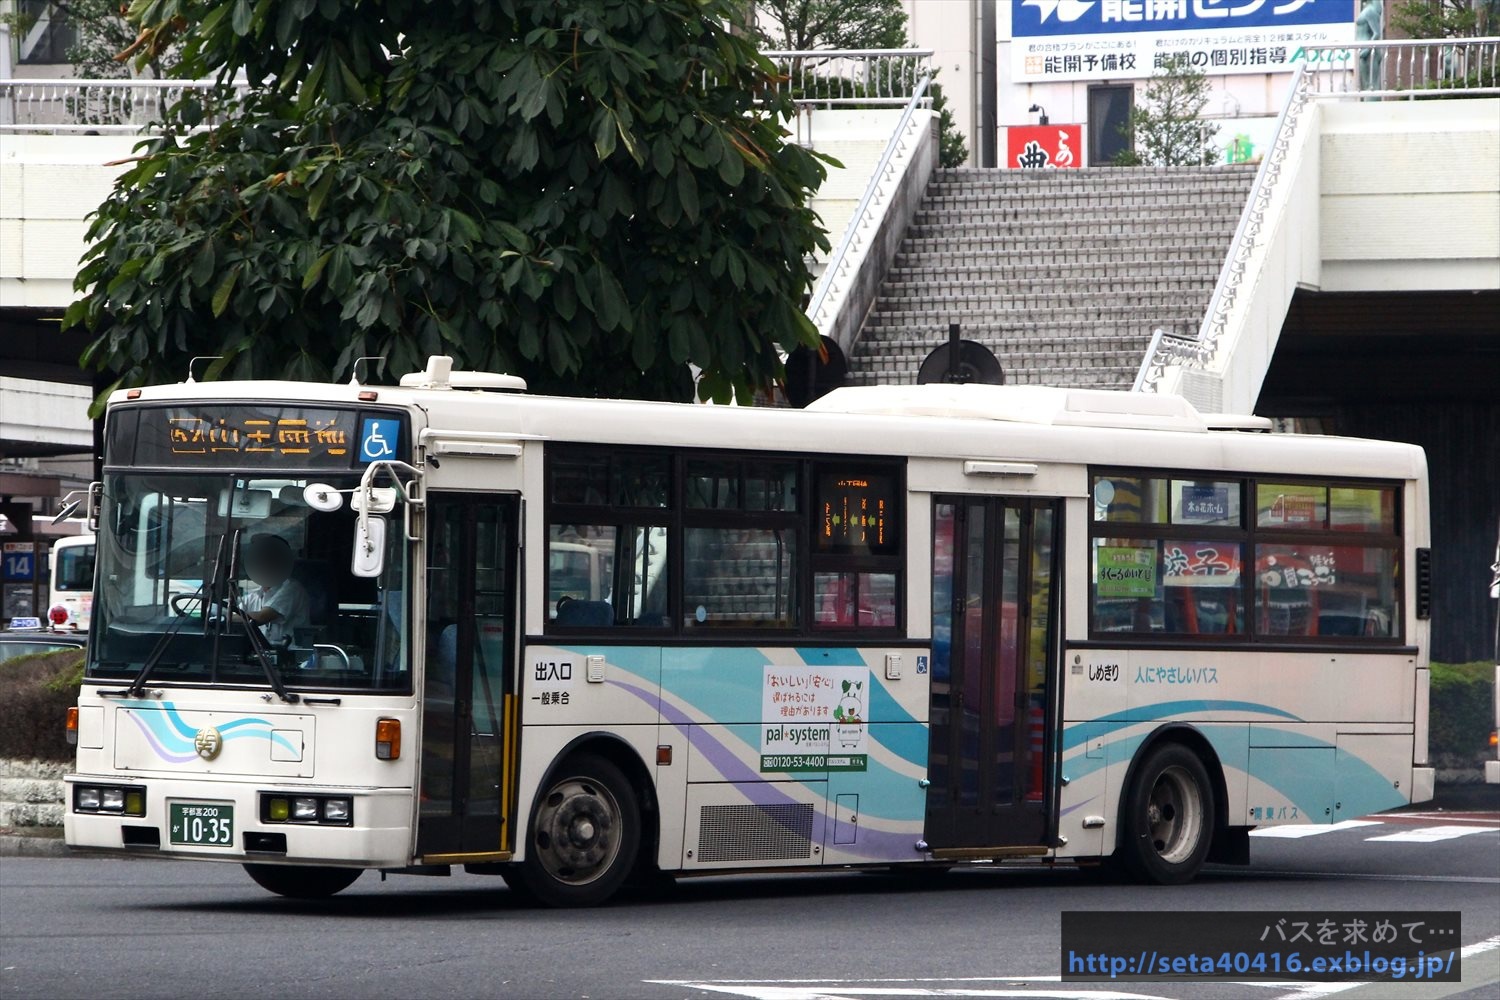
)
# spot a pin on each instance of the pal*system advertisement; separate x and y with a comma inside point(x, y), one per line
point(1126, 39)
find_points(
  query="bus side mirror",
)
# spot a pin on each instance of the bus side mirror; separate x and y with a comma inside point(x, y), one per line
point(369, 547)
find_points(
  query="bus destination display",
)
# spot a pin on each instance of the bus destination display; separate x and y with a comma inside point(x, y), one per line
point(856, 513)
point(234, 436)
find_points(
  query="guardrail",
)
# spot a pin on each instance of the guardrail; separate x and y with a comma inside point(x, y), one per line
point(1384, 70)
point(65, 106)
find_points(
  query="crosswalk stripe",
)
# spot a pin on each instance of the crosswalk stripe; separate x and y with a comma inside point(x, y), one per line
point(1300, 830)
point(1430, 834)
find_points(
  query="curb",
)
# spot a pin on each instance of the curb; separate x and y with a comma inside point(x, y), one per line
point(34, 845)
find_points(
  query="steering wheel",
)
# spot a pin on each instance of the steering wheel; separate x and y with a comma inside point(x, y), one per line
point(186, 604)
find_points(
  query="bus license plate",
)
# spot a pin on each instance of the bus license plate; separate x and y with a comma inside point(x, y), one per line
point(201, 823)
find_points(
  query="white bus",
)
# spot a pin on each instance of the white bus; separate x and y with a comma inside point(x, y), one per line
point(70, 572)
point(907, 626)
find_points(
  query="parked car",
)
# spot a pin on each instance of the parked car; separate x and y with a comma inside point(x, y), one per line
point(26, 641)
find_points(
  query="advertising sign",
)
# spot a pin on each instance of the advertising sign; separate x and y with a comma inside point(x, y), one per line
point(1125, 39)
point(1200, 564)
point(813, 719)
point(1126, 572)
point(1044, 147)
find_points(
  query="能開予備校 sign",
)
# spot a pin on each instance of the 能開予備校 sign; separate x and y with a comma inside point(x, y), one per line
point(1131, 39)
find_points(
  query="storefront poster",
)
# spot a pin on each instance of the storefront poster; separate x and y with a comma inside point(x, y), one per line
point(1044, 147)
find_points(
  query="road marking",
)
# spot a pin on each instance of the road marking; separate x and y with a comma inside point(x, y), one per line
point(1050, 987)
point(1473, 976)
point(1481, 818)
point(1430, 834)
point(1300, 830)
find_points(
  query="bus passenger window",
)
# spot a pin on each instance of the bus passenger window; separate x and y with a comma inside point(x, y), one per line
point(739, 578)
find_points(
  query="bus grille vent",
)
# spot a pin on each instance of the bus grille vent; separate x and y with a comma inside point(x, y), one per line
point(755, 833)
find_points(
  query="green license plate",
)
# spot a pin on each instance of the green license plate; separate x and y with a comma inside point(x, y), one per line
point(205, 824)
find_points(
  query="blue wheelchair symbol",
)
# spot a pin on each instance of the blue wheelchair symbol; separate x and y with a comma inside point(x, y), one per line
point(377, 439)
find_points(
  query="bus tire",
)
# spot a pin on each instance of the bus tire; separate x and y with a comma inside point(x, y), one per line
point(303, 882)
point(585, 834)
point(1167, 824)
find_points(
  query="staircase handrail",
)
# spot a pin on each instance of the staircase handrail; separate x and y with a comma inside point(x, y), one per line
point(1167, 350)
point(829, 295)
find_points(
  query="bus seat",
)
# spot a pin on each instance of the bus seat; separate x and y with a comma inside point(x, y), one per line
point(317, 580)
point(588, 614)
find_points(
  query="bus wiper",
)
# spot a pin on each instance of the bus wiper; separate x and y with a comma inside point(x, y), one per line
point(137, 686)
point(253, 634)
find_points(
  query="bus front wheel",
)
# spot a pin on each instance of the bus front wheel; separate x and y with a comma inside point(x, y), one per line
point(585, 834)
point(301, 882)
point(1168, 821)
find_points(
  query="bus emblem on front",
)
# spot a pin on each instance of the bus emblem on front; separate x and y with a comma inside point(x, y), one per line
point(208, 743)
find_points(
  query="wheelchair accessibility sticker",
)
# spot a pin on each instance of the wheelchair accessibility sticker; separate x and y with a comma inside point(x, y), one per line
point(377, 439)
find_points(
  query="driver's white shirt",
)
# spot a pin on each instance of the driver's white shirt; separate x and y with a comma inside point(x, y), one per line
point(289, 598)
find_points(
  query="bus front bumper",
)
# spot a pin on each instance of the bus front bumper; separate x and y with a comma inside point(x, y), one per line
point(224, 820)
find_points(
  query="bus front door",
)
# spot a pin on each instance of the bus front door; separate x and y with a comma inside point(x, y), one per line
point(994, 621)
point(468, 700)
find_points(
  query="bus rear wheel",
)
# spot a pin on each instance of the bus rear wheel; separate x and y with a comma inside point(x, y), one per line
point(585, 834)
point(1168, 821)
point(300, 882)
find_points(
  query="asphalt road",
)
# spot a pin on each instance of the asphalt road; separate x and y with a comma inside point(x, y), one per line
point(75, 927)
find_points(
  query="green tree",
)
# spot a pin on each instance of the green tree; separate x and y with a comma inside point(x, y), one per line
point(102, 32)
point(1446, 18)
point(1165, 127)
point(594, 195)
point(802, 25)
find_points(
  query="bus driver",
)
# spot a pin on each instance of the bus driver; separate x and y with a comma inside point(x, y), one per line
point(279, 603)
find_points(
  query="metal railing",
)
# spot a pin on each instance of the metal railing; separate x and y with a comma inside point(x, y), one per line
point(1405, 70)
point(863, 77)
point(65, 106)
point(833, 286)
point(828, 78)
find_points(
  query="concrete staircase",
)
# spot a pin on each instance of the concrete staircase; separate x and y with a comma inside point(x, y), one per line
point(1062, 274)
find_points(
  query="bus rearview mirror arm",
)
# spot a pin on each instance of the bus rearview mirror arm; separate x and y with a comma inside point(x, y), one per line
point(369, 534)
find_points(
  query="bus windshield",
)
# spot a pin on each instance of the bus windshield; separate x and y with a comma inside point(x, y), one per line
point(185, 562)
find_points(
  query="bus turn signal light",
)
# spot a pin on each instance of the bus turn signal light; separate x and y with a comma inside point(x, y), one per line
point(388, 739)
point(72, 726)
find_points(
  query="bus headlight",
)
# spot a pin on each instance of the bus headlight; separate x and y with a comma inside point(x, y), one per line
point(326, 810)
point(117, 799)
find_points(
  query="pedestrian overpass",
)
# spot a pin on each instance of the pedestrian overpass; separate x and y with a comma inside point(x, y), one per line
point(1360, 293)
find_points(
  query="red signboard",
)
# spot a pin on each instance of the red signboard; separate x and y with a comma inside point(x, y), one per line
point(1043, 147)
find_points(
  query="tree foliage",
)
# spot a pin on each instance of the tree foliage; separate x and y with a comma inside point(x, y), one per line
point(1446, 18)
point(1165, 127)
point(802, 25)
point(832, 24)
point(593, 195)
point(102, 31)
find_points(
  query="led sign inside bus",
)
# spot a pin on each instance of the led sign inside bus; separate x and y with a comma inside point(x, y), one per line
point(855, 514)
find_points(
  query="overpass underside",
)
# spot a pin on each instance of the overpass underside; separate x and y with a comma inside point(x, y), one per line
point(1420, 367)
